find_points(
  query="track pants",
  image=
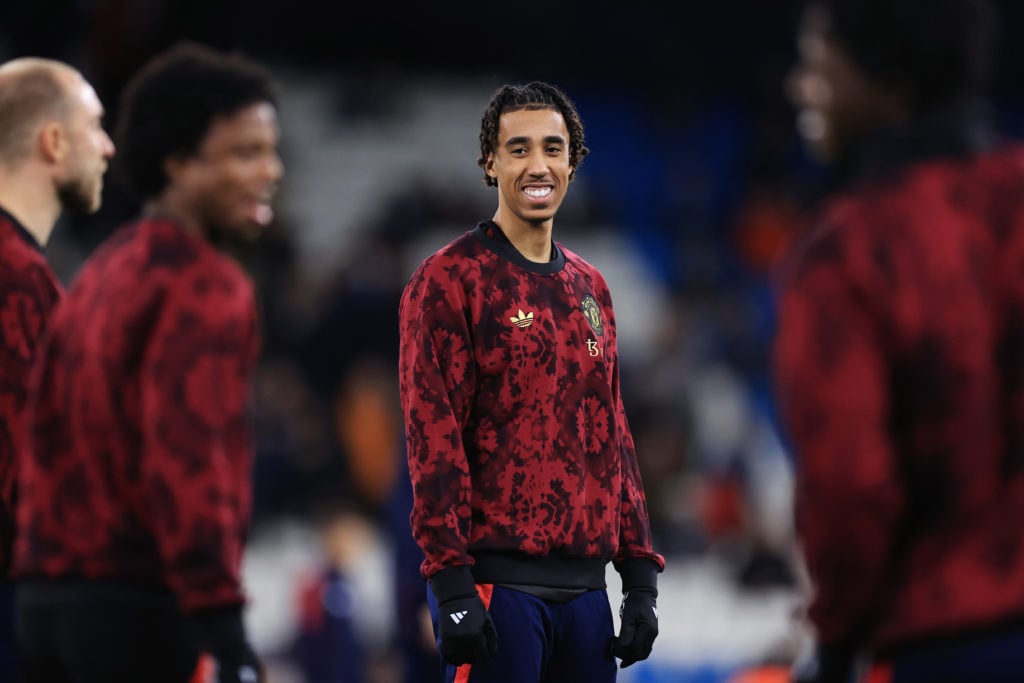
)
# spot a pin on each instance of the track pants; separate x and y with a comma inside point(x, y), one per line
point(80, 632)
point(996, 657)
point(541, 641)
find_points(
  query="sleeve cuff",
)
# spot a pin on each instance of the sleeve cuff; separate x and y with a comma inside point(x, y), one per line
point(453, 582)
point(638, 572)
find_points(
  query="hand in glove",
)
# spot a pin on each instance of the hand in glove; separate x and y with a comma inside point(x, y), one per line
point(210, 670)
point(638, 614)
point(227, 656)
point(827, 663)
point(465, 630)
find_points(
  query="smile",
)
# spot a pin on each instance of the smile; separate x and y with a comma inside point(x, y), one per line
point(538, 192)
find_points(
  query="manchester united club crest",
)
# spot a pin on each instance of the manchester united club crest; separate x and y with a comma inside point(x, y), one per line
point(592, 312)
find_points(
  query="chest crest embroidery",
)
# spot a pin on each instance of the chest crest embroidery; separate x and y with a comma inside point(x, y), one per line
point(592, 312)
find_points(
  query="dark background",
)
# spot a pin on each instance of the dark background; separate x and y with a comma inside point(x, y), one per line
point(672, 53)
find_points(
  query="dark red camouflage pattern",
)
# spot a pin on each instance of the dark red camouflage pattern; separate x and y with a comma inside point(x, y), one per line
point(534, 410)
point(138, 465)
point(28, 292)
point(900, 368)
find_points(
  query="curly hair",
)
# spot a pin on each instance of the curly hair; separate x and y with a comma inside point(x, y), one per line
point(167, 109)
point(532, 96)
point(942, 50)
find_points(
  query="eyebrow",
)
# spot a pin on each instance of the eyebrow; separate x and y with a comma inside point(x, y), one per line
point(522, 139)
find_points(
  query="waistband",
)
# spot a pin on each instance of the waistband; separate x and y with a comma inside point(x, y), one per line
point(43, 592)
point(539, 570)
point(965, 638)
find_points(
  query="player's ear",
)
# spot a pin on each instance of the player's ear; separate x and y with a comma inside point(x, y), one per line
point(175, 167)
point(52, 141)
point(489, 167)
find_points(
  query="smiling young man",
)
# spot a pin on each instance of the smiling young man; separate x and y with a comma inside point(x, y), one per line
point(899, 355)
point(53, 155)
point(135, 485)
point(524, 473)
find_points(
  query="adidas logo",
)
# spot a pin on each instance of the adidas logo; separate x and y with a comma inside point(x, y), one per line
point(457, 617)
point(523, 319)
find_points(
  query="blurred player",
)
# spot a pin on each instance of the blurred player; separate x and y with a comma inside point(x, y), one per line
point(524, 474)
point(53, 154)
point(900, 350)
point(135, 489)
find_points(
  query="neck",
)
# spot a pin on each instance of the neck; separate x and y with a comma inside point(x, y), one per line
point(168, 207)
point(957, 129)
point(532, 240)
point(32, 200)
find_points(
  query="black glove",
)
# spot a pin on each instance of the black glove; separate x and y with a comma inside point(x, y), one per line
point(220, 635)
point(465, 630)
point(826, 663)
point(638, 614)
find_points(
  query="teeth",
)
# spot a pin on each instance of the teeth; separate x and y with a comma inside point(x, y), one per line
point(263, 214)
point(538, 191)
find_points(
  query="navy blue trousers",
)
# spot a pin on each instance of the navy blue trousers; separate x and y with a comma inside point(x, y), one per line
point(541, 641)
point(996, 657)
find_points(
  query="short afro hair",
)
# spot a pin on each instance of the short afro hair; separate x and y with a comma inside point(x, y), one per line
point(942, 50)
point(532, 96)
point(167, 108)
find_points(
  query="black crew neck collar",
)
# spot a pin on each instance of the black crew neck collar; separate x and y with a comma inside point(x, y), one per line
point(21, 230)
point(491, 236)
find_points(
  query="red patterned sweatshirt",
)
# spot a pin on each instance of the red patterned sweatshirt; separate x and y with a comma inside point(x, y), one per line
point(521, 458)
point(28, 292)
point(138, 466)
point(900, 363)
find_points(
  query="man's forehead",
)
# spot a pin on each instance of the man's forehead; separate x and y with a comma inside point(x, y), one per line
point(258, 118)
point(536, 122)
point(84, 93)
